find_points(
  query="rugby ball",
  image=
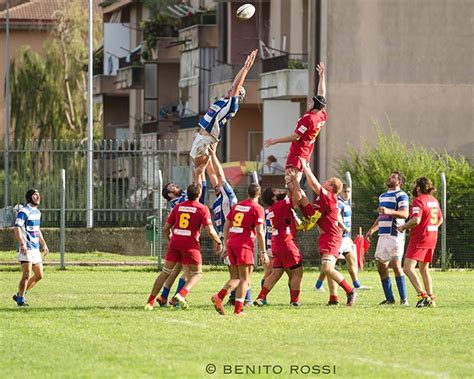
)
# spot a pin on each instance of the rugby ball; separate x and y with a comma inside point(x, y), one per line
point(245, 12)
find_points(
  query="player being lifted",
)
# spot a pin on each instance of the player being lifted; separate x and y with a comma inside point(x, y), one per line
point(303, 138)
point(216, 117)
point(286, 253)
point(183, 229)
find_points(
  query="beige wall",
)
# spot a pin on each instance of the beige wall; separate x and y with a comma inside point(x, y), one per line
point(407, 61)
point(248, 118)
point(18, 39)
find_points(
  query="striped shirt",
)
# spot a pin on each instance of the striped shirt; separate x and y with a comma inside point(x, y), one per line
point(184, 196)
point(268, 230)
point(218, 114)
point(346, 214)
point(28, 220)
point(221, 206)
point(394, 200)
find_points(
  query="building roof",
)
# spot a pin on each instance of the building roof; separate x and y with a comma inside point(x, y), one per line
point(42, 10)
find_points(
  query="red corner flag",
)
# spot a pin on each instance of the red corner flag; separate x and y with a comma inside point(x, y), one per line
point(362, 245)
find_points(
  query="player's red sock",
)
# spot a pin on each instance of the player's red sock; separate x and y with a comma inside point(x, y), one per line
point(239, 305)
point(307, 210)
point(263, 293)
point(294, 296)
point(151, 299)
point(222, 294)
point(345, 286)
point(422, 294)
point(333, 298)
point(184, 292)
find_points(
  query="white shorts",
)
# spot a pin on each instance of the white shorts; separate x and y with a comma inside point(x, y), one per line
point(33, 256)
point(201, 144)
point(347, 245)
point(389, 248)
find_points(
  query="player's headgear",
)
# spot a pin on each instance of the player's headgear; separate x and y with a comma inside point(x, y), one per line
point(319, 102)
point(29, 195)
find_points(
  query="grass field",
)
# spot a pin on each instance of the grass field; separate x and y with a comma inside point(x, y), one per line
point(91, 323)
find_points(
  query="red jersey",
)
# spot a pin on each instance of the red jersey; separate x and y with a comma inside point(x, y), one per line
point(244, 217)
point(331, 237)
point(283, 221)
point(187, 219)
point(425, 234)
point(307, 127)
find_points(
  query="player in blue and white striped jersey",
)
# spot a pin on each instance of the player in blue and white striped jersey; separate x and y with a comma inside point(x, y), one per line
point(393, 210)
point(175, 195)
point(216, 117)
point(30, 239)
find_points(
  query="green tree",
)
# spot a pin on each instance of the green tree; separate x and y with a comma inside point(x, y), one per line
point(370, 167)
point(49, 91)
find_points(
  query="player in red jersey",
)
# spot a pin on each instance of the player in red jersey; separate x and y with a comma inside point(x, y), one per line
point(425, 218)
point(286, 253)
point(244, 221)
point(330, 238)
point(307, 129)
point(183, 229)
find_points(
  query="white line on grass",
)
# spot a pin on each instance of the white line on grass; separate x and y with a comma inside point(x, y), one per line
point(416, 371)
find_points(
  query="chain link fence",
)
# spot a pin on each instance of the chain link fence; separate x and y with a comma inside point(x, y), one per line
point(127, 190)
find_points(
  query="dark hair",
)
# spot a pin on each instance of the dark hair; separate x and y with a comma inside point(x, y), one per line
point(165, 192)
point(194, 191)
point(345, 186)
point(271, 158)
point(425, 185)
point(268, 196)
point(29, 195)
point(319, 102)
point(401, 177)
point(253, 190)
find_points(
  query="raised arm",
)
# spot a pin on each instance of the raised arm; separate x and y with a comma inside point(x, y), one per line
point(322, 81)
point(312, 181)
point(241, 75)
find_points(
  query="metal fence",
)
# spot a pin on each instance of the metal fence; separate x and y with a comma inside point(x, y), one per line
point(126, 191)
point(125, 178)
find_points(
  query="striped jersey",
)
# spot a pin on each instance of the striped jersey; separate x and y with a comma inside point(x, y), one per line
point(221, 206)
point(218, 114)
point(184, 196)
point(395, 200)
point(268, 230)
point(346, 214)
point(28, 220)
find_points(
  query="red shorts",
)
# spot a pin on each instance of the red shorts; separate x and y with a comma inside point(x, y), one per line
point(239, 255)
point(184, 256)
point(292, 161)
point(419, 254)
point(329, 245)
point(286, 254)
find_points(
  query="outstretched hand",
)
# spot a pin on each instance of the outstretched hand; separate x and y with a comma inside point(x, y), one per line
point(250, 59)
point(320, 68)
point(269, 142)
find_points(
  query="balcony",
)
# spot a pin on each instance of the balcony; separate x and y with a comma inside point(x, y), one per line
point(283, 78)
point(106, 85)
point(166, 50)
point(130, 77)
